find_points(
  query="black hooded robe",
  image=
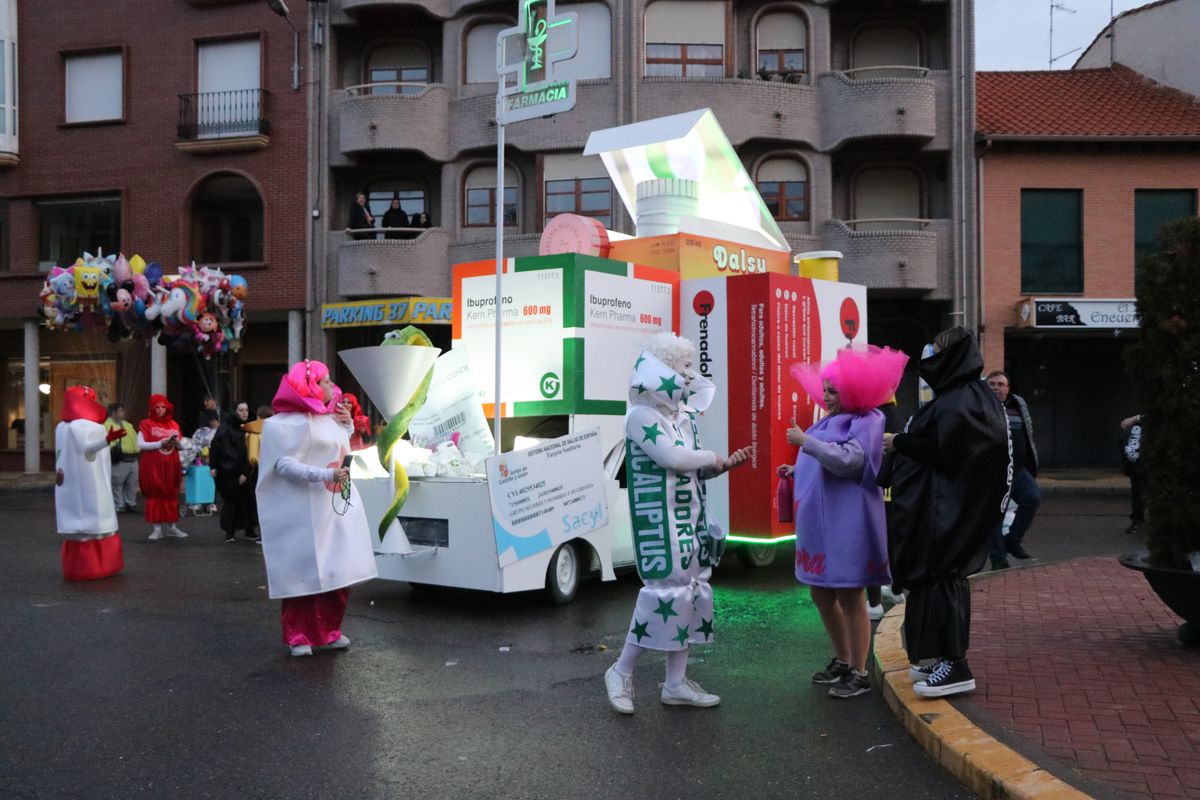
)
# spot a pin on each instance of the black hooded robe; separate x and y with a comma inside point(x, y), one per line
point(951, 479)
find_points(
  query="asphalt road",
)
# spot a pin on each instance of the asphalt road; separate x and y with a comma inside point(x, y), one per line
point(170, 681)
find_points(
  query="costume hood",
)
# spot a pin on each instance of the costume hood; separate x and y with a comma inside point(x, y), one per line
point(157, 399)
point(957, 364)
point(654, 384)
point(79, 402)
point(288, 399)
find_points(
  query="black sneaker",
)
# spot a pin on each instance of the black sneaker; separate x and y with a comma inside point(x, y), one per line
point(949, 677)
point(917, 672)
point(852, 684)
point(832, 673)
point(998, 565)
point(1016, 550)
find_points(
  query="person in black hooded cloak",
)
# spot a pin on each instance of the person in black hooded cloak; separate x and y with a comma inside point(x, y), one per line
point(950, 482)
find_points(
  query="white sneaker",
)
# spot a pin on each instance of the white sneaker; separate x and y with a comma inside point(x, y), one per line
point(301, 650)
point(155, 534)
point(620, 690)
point(688, 693)
point(341, 643)
point(875, 612)
point(890, 596)
point(175, 533)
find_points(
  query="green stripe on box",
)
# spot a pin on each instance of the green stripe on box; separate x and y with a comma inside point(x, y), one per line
point(603, 265)
point(534, 263)
point(542, 408)
point(609, 407)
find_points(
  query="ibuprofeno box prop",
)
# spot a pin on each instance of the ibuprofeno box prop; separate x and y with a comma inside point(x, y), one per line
point(572, 326)
point(749, 332)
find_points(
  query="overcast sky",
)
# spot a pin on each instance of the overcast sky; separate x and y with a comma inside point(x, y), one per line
point(1015, 34)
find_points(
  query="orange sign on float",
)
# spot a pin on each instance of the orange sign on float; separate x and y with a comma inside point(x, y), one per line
point(696, 256)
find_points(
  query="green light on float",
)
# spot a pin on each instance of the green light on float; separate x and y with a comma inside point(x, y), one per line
point(759, 540)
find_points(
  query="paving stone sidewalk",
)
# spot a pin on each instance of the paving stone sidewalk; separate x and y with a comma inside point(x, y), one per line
point(1080, 661)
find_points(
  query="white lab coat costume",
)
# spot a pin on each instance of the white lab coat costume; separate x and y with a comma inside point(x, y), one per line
point(83, 503)
point(309, 547)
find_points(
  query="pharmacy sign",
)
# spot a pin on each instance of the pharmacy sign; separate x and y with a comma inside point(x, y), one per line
point(526, 57)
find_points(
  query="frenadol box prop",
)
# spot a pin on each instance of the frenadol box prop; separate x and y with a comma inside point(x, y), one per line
point(749, 332)
point(572, 326)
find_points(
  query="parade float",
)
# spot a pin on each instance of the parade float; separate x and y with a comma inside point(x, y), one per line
point(553, 505)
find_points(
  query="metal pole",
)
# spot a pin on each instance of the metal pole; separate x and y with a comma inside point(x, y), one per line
point(33, 400)
point(499, 269)
point(295, 57)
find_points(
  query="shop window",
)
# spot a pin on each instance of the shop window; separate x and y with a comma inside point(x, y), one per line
point(94, 89)
point(783, 185)
point(589, 197)
point(399, 69)
point(685, 39)
point(479, 201)
point(69, 227)
point(1051, 240)
point(227, 221)
point(782, 46)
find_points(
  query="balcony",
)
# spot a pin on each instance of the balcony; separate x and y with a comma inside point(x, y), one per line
point(595, 109)
point(878, 102)
point(442, 9)
point(902, 254)
point(378, 117)
point(516, 245)
point(381, 267)
point(223, 122)
point(764, 109)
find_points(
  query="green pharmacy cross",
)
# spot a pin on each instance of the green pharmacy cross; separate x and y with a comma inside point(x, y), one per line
point(526, 59)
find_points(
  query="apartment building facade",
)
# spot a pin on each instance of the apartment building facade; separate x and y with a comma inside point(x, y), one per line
point(855, 119)
point(166, 128)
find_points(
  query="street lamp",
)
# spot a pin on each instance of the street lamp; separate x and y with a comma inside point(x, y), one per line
point(280, 8)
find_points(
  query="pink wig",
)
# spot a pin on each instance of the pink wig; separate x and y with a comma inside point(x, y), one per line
point(865, 378)
point(303, 389)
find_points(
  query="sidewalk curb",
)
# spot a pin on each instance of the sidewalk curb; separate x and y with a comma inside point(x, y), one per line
point(980, 762)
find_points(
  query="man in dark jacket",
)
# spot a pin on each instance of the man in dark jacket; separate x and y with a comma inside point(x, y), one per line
point(1025, 491)
point(949, 486)
point(231, 469)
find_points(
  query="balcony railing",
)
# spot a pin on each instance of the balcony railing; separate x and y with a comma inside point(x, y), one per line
point(212, 115)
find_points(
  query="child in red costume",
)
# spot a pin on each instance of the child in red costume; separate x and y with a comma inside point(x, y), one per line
point(83, 501)
point(159, 471)
point(361, 436)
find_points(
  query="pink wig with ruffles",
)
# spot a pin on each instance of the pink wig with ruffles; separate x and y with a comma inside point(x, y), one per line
point(865, 378)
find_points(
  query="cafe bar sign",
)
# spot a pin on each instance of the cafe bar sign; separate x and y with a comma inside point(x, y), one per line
point(389, 311)
point(1075, 312)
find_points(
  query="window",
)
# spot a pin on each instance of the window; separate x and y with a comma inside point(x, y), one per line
point(783, 184)
point(685, 39)
point(398, 63)
point(229, 100)
point(227, 221)
point(411, 194)
point(1051, 240)
point(481, 52)
point(594, 57)
point(479, 206)
point(782, 41)
point(1153, 208)
point(886, 46)
point(68, 228)
point(589, 197)
point(94, 87)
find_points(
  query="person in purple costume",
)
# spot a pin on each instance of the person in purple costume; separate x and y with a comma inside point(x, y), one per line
point(841, 533)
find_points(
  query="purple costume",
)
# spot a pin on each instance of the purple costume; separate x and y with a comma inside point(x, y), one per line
point(841, 536)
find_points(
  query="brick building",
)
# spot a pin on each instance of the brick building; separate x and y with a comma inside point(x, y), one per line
point(1077, 171)
point(167, 128)
point(854, 118)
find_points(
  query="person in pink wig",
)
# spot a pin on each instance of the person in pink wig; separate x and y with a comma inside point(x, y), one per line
point(841, 534)
point(314, 533)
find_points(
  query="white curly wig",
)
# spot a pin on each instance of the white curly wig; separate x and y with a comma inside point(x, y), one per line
point(674, 351)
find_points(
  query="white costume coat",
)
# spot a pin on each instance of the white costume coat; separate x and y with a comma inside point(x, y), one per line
point(83, 503)
point(312, 541)
point(672, 540)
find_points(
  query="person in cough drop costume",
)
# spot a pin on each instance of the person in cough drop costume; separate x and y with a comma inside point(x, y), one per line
point(675, 546)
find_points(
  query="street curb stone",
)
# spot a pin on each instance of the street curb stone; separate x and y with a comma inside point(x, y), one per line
point(984, 765)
